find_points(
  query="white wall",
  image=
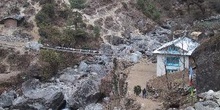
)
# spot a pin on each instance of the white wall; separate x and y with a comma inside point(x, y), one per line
point(161, 67)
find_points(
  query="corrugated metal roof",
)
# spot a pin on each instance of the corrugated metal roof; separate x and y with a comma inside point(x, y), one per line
point(184, 43)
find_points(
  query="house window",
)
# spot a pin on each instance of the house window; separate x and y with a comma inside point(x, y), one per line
point(172, 61)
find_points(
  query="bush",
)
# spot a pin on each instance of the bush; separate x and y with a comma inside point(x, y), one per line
point(96, 31)
point(46, 15)
point(76, 20)
point(137, 90)
point(79, 4)
point(52, 58)
point(215, 5)
point(64, 13)
point(50, 35)
point(68, 38)
point(3, 53)
point(148, 9)
point(19, 62)
point(49, 10)
point(2, 68)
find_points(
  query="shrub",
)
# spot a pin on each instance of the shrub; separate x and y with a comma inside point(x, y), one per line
point(42, 19)
point(2, 68)
point(46, 15)
point(79, 4)
point(96, 31)
point(3, 53)
point(76, 20)
point(148, 9)
point(19, 62)
point(52, 58)
point(49, 10)
point(42, 2)
point(137, 90)
point(65, 13)
point(50, 35)
point(215, 5)
point(68, 37)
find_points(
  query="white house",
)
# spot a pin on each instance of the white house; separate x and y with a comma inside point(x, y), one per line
point(172, 56)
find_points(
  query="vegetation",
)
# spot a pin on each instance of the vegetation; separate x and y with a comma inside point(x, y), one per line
point(216, 5)
point(148, 9)
point(207, 25)
point(2, 68)
point(79, 4)
point(51, 61)
point(18, 61)
point(96, 31)
point(46, 15)
point(137, 90)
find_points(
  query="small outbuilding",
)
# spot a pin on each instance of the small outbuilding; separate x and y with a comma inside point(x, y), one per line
point(12, 21)
point(174, 56)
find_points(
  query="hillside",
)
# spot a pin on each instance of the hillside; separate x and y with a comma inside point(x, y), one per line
point(118, 33)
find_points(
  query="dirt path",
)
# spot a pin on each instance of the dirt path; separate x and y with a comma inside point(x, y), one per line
point(139, 74)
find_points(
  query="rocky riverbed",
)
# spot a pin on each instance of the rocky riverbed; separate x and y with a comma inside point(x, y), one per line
point(78, 87)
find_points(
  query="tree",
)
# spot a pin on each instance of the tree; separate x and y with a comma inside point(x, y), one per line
point(198, 3)
point(52, 58)
point(137, 90)
point(96, 31)
point(79, 4)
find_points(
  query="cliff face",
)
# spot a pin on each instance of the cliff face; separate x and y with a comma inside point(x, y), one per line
point(207, 58)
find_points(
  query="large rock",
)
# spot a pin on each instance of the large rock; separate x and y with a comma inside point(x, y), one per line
point(135, 57)
point(94, 107)
point(39, 97)
point(207, 59)
point(207, 105)
point(86, 94)
point(83, 66)
point(99, 69)
point(217, 95)
point(33, 45)
point(106, 49)
point(7, 98)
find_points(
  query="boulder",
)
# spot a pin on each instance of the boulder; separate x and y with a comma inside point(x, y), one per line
point(189, 108)
point(99, 69)
point(210, 104)
point(39, 97)
point(7, 98)
point(30, 85)
point(33, 45)
point(86, 94)
point(106, 49)
point(206, 105)
point(22, 103)
point(68, 77)
point(199, 106)
point(83, 66)
point(56, 101)
point(207, 95)
point(217, 96)
point(94, 106)
point(135, 57)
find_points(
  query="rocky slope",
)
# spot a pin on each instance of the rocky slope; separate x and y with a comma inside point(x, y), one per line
point(128, 33)
point(207, 77)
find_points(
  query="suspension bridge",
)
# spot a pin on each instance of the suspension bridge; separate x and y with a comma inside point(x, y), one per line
point(58, 48)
